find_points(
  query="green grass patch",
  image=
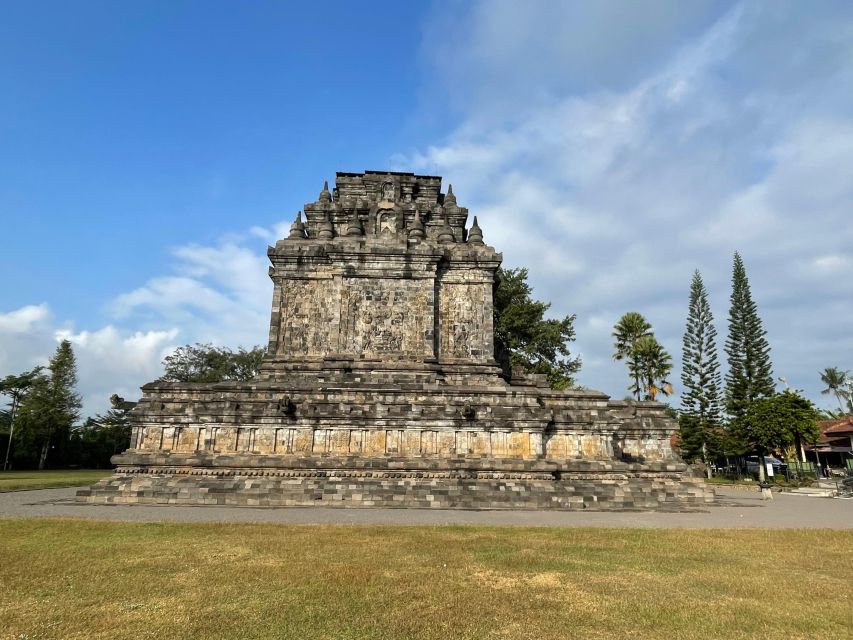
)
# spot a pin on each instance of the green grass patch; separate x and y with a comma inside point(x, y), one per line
point(80, 579)
point(723, 480)
point(21, 480)
point(778, 480)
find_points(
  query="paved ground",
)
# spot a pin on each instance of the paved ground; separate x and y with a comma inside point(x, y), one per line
point(736, 509)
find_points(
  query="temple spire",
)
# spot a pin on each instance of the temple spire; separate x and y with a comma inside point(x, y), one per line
point(475, 235)
point(326, 231)
point(297, 229)
point(450, 198)
point(445, 234)
point(355, 228)
point(416, 230)
point(325, 195)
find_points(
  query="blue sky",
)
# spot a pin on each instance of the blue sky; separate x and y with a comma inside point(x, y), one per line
point(130, 127)
point(149, 151)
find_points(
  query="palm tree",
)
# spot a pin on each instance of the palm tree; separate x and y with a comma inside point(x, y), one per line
point(630, 328)
point(836, 382)
point(652, 365)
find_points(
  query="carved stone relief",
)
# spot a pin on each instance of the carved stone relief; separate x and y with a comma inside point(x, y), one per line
point(387, 222)
point(384, 318)
point(307, 317)
point(461, 309)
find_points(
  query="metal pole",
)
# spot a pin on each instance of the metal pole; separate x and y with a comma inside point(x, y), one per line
point(11, 431)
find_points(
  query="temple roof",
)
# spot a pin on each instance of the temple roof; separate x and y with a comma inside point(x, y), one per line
point(387, 186)
point(385, 173)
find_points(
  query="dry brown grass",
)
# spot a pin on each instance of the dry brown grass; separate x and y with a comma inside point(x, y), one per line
point(78, 579)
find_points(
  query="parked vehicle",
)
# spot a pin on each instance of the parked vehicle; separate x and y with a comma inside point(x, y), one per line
point(752, 462)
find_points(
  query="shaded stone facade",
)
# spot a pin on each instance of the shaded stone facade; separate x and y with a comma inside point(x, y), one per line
point(380, 386)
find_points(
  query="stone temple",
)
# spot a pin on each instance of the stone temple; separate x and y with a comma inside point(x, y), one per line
point(380, 386)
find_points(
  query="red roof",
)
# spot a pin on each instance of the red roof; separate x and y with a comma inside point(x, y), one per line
point(832, 429)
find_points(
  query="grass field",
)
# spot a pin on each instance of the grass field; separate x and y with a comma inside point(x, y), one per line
point(20, 480)
point(80, 579)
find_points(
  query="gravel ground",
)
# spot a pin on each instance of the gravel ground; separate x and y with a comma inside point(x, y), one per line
point(734, 509)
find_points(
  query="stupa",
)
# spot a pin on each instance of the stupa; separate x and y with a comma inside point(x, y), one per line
point(380, 386)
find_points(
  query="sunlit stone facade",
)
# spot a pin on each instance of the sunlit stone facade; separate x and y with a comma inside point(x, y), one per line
point(380, 387)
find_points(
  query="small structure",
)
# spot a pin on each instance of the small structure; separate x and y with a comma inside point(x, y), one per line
point(380, 386)
point(834, 447)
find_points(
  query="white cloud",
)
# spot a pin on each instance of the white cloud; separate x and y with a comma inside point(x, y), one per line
point(218, 293)
point(24, 319)
point(611, 148)
point(499, 57)
point(108, 360)
point(111, 361)
point(833, 263)
point(614, 187)
point(25, 339)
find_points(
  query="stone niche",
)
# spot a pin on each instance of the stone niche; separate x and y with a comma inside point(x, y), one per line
point(380, 386)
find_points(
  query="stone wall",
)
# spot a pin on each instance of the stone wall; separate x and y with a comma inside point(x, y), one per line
point(452, 483)
point(390, 307)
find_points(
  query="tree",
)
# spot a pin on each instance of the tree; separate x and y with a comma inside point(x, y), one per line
point(525, 338)
point(630, 328)
point(103, 436)
point(700, 375)
point(750, 374)
point(16, 388)
point(52, 405)
point(848, 393)
point(206, 363)
point(651, 365)
point(114, 425)
point(781, 420)
point(246, 364)
point(836, 382)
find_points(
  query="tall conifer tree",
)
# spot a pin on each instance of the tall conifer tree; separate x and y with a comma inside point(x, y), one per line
point(750, 374)
point(700, 373)
point(52, 405)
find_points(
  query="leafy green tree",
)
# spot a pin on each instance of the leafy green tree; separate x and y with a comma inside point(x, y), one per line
point(724, 441)
point(15, 387)
point(114, 425)
point(631, 327)
point(779, 421)
point(651, 365)
point(836, 382)
point(750, 374)
point(206, 363)
point(51, 406)
point(700, 375)
point(525, 338)
point(102, 436)
point(246, 364)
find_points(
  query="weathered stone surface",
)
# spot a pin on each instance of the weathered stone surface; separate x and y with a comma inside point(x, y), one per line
point(380, 386)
